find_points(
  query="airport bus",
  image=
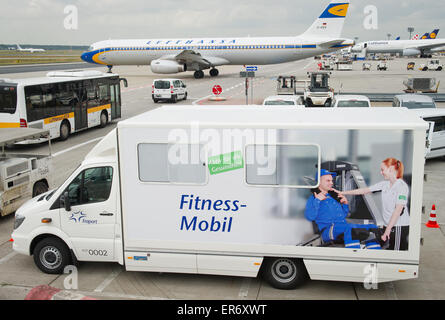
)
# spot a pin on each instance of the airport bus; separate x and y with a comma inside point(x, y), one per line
point(62, 102)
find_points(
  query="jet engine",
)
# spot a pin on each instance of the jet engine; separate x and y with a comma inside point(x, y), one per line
point(411, 52)
point(167, 66)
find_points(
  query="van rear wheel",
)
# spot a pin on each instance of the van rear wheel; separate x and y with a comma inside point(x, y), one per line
point(51, 255)
point(284, 273)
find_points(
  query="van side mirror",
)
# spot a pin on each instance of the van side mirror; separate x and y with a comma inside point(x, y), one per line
point(65, 201)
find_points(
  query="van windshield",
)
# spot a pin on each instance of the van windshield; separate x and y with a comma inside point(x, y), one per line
point(418, 105)
point(162, 85)
point(8, 99)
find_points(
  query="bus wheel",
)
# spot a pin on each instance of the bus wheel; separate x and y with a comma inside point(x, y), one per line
point(103, 119)
point(284, 273)
point(51, 255)
point(39, 188)
point(64, 130)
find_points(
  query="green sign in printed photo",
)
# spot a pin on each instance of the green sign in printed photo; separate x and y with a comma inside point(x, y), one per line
point(226, 162)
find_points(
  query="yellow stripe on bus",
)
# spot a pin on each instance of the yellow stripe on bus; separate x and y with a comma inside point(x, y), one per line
point(4, 125)
point(58, 118)
point(99, 108)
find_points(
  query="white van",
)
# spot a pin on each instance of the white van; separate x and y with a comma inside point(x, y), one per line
point(436, 117)
point(222, 190)
point(413, 101)
point(169, 89)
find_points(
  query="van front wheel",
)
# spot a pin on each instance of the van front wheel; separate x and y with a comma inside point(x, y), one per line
point(284, 273)
point(51, 255)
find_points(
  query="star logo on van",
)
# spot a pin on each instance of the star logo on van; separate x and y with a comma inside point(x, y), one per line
point(77, 216)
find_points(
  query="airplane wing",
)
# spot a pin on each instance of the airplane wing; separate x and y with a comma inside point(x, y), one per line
point(192, 57)
point(430, 46)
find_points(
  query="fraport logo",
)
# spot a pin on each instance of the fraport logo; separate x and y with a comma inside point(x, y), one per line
point(80, 217)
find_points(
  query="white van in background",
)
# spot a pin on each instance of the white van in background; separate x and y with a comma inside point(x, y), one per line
point(436, 118)
point(414, 101)
point(169, 89)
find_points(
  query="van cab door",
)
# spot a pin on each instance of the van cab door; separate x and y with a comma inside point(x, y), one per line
point(88, 213)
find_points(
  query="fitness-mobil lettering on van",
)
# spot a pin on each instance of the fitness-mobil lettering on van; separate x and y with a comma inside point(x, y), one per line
point(203, 220)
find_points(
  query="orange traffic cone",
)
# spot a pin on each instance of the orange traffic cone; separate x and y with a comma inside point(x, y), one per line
point(432, 222)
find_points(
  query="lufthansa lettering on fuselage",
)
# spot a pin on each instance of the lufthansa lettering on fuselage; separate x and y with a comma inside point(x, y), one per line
point(193, 41)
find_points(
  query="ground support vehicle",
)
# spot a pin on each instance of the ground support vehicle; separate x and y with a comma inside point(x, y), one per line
point(22, 176)
point(423, 85)
point(317, 91)
point(382, 66)
point(286, 85)
point(432, 65)
point(222, 190)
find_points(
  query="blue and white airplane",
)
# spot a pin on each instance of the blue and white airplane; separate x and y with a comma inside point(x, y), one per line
point(168, 56)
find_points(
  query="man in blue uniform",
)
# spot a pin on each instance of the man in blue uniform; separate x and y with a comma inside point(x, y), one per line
point(330, 216)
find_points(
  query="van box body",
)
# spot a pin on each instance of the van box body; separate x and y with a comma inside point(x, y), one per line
point(218, 190)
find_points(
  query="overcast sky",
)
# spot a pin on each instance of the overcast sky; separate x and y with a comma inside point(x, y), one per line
point(42, 21)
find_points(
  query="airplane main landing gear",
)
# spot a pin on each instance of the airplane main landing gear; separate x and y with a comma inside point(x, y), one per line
point(198, 74)
point(214, 72)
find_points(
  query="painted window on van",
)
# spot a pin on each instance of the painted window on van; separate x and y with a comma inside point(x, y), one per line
point(282, 165)
point(172, 163)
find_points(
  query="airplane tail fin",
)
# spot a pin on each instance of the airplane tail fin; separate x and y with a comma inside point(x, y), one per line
point(331, 21)
point(433, 35)
point(18, 47)
point(398, 38)
point(425, 36)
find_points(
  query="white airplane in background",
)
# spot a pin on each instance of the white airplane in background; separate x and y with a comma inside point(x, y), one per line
point(32, 50)
point(404, 47)
point(167, 56)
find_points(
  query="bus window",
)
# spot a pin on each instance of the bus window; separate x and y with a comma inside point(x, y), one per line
point(8, 99)
point(34, 104)
point(104, 94)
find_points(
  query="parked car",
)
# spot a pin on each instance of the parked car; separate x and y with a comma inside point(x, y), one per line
point(414, 101)
point(169, 89)
point(283, 100)
point(351, 101)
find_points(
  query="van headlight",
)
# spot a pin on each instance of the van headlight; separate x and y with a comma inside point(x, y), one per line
point(18, 221)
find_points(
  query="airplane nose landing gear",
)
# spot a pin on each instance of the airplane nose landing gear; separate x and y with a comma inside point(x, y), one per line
point(109, 69)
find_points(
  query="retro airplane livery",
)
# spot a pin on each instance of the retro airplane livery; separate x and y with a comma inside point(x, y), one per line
point(168, 56)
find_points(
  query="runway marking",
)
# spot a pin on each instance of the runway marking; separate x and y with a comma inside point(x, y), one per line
point(108, 280)
point(75, 147)
point(8, 257)
point(245, 286)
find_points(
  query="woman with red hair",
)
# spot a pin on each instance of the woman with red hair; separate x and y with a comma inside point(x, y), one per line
point(395, 193)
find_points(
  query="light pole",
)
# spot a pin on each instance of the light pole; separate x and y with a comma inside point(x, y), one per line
point(410, 30)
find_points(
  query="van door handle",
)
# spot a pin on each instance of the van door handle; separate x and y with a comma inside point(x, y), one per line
point(106, 214)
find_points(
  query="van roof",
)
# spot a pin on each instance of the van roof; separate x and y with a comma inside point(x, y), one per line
point(414, 97)
point(276, 117)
